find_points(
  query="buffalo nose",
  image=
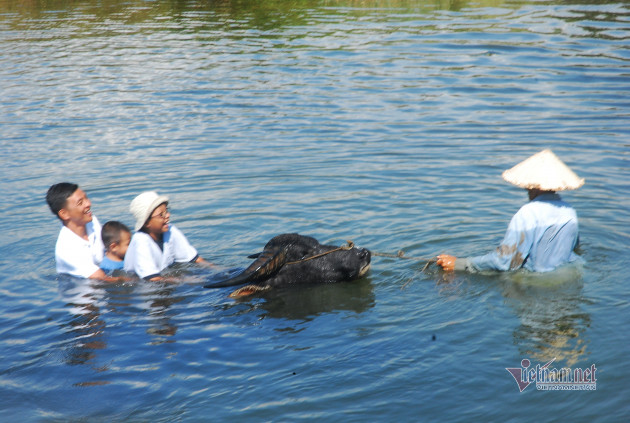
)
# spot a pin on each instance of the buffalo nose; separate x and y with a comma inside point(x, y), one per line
point(364, 253)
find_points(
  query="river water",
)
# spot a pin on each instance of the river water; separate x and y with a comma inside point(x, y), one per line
point(387, 123)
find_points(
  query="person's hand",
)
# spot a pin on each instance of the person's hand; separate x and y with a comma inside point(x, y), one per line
point(116, 279)
point(204, 263)
point(447, 262)
point(102, 276)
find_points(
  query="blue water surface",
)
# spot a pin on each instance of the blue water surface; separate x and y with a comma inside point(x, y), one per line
point(385, 123)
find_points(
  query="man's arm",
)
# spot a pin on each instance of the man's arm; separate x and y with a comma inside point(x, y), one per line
point(510, 255)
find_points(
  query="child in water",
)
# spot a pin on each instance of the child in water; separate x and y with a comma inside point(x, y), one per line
point(116, 237)
point(156, 244)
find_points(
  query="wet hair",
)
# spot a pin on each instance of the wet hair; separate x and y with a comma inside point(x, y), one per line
point(110, 232)
point(58, 195)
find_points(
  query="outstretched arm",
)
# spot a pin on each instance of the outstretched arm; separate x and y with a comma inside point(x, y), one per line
point(510, 255)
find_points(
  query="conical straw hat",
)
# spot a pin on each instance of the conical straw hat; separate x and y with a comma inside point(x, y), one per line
point(543, 171)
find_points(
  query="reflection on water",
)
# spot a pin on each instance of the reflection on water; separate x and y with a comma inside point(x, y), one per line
point(550, 308)
point(305, 303)
point(91, 303)
point(86, 327)
point(262, 14)
point(160, 314)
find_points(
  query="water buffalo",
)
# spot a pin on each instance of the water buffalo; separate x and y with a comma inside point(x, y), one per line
point(293, 259)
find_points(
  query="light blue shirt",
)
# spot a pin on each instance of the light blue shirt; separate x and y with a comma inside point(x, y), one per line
point(540, 237)
point(109, 265)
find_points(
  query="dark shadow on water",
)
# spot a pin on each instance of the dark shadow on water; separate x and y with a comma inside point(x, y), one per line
point(306, 302)
point(301, 302)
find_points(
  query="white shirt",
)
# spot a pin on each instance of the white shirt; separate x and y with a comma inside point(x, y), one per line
point(146, 258)
point(76, 256)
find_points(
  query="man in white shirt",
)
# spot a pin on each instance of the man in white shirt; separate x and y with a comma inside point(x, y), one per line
point(79, 248)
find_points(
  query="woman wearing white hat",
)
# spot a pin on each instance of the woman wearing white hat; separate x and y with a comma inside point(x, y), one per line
point(156, 244)
point(544, 232)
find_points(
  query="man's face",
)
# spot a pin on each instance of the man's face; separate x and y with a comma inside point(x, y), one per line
point(78, 208)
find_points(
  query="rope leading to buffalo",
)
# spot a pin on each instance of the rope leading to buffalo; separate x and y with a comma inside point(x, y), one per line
point(401, 255)
point(350, 246)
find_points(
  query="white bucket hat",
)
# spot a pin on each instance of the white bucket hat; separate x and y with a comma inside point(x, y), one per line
point(543, 171)
point(143, 205)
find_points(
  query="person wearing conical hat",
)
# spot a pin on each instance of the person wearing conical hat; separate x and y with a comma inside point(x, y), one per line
point(543, 234)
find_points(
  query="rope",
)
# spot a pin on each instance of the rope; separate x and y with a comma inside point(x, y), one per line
point(349, 246)
point(401, 254)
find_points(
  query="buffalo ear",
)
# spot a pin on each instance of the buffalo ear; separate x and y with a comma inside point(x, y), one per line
point(254, 256)
point(267, 264)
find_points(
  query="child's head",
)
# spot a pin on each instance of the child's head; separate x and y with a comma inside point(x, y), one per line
point(116, 237)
